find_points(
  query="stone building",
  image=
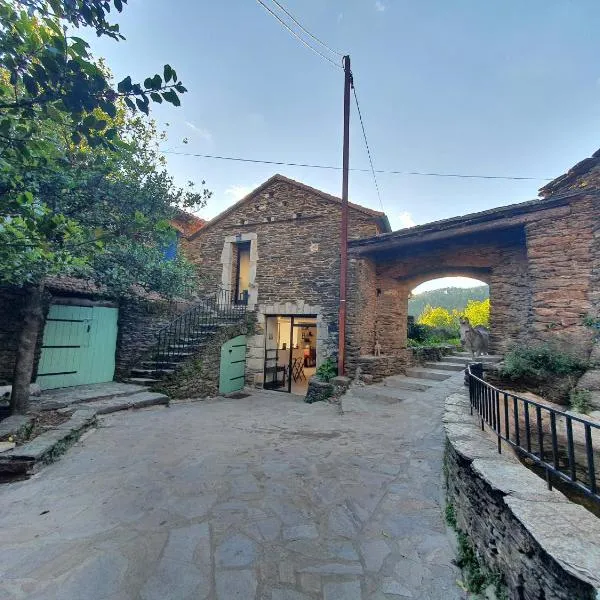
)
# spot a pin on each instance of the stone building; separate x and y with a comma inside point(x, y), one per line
point(277, 250)
point(540, 258)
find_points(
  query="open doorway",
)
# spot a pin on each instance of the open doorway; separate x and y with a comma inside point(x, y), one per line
point(290, 352)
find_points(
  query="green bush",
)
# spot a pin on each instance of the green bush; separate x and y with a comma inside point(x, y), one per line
point(540, 361)
point(418, 332)
point(580, 400)
point(327, 371)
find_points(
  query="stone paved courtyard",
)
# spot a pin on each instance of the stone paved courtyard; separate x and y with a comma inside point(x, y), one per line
point(263, 497)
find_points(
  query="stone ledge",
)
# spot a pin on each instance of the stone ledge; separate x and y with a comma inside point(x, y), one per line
point(42, 449)
point(540, 541)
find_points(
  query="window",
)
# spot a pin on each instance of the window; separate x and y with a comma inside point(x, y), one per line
point(242, 278)
point(170, 252)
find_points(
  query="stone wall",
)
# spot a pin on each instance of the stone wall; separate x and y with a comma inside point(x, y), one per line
point(198, 377)
point(543, 545)
point(379, 367)
point(560, 254)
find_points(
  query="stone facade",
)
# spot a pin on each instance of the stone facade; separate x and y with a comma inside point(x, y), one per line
point(543, 545)
point(293, 232)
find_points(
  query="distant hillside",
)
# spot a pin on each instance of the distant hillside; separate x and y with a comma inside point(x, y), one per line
point(448, 298)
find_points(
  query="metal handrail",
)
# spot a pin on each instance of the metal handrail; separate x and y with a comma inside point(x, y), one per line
point(531, 438)
point(193, 326)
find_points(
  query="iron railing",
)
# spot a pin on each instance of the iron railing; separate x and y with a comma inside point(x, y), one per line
point(183, 335)
point(560, 443)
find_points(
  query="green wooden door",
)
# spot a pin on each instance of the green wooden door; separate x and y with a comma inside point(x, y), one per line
point(78, 346)
point(233, 365)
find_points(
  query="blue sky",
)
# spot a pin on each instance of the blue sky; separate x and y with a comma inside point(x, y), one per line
point(499, 87)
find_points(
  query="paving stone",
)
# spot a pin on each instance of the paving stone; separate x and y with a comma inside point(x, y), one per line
point(300, 532)
point(288, 595)
point(347, 590)
point(393, 588)
point(269, 528)
point(343, 550)
point(334, 569)
point(174, 579)
point(236, 551)
point(182, 543)
point(374, 553)
point(342, 523)
point(234, 585)
point(310, 582)
point(286, 572)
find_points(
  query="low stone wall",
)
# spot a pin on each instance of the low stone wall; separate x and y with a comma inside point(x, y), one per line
point(421, 354)
point(379, 367)
point(199, 376)
point(543, 545)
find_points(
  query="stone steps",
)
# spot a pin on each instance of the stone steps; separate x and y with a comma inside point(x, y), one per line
point(464, 358)
point(427, 373)
point(445, 366)
point(110, 405)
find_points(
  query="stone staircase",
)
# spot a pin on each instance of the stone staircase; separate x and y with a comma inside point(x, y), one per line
point(185, 336)
point(420, 378)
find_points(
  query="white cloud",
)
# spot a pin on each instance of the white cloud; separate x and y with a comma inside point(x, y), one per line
point(405, 219)
point(237, 192)
point(380, 6)
point(202, 133)
point(340, 17)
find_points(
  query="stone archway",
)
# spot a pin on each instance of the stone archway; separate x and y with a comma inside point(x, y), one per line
point(381, 284)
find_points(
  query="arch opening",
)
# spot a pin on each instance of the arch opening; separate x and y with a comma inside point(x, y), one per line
point(435, 306)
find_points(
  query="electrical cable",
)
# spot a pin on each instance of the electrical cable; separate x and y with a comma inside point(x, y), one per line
point(334, 168)
point(362, 124)
point(301, 39)
point(314, 37)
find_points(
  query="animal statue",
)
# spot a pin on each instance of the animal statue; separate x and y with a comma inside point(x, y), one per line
point(475, 339)
point(377, 349)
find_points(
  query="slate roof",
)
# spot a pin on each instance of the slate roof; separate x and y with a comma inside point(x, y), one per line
point(379, 217)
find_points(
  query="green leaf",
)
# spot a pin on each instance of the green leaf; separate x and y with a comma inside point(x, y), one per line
point(172, 98)
point(168, 73)
point(156, 97)
point(130, 103)
point(125, 86)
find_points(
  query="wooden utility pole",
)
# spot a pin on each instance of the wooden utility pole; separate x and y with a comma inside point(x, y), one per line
point(344, 229)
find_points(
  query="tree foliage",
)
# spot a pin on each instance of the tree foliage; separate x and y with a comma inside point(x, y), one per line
point(83, 189)
point(477, 311)
point(449, 298)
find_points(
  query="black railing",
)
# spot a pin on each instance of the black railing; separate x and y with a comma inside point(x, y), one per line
point(560, 443)
point(186, 333)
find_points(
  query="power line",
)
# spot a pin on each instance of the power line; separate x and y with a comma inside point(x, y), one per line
point(362, 124)
point(334, 168)
point(300, 38)
point(314, 37)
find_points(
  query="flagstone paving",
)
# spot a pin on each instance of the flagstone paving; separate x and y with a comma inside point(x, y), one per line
point(265, 497)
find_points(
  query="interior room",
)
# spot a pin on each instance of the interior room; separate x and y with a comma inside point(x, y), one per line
point(290, 353)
